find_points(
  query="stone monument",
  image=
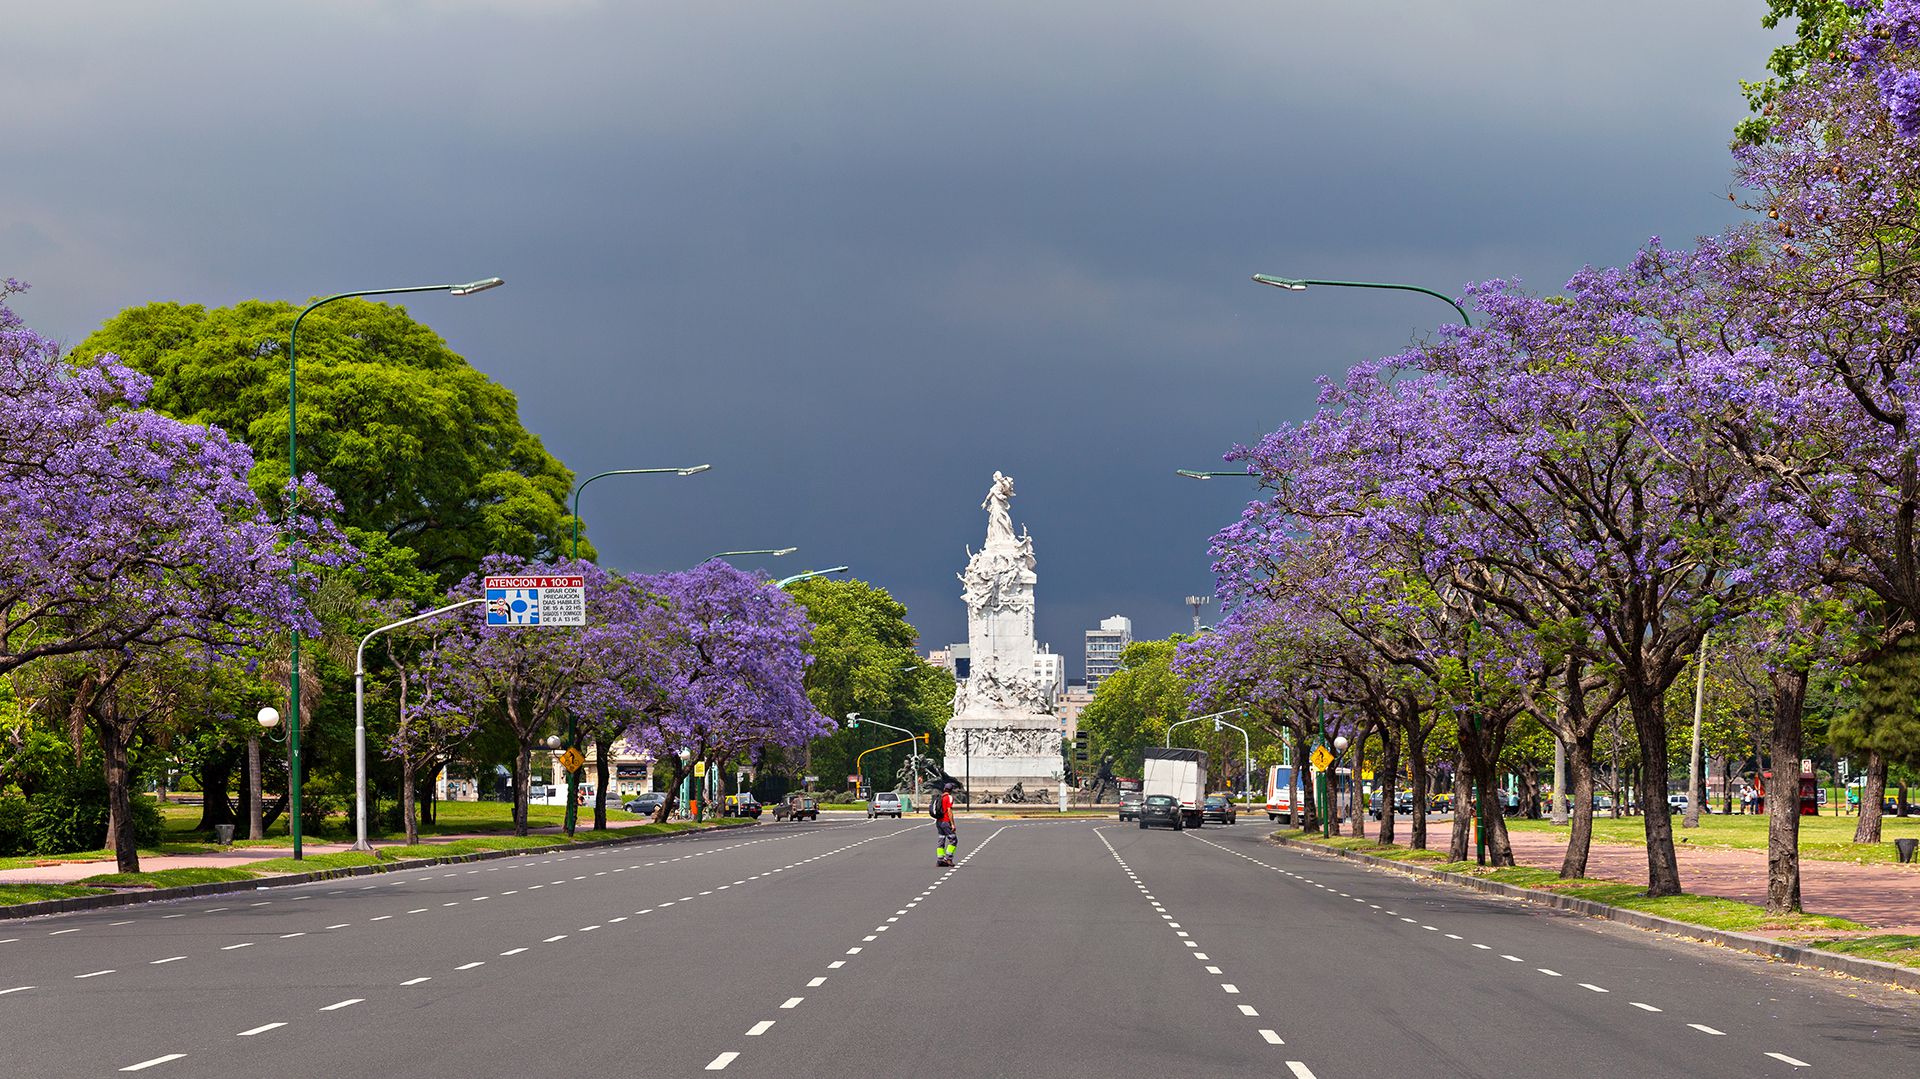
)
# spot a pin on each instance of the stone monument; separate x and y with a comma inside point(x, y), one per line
point(1003, 729)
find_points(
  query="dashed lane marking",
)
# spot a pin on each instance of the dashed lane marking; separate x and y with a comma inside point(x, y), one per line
point(1785, 1059)
point(145, 1064)
point(261, 1029)
point(720, 1062)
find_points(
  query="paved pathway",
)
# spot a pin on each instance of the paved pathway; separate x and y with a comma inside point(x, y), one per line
point(1882, 895)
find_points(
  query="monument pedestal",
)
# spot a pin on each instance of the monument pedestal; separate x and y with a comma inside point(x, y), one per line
point(992, 753)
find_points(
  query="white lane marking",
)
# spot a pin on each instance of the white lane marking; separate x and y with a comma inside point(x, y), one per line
point(236, 947)
point(1229, 987)
point(347, 1003)
point(1199, 955)
point(1590, 985)
point(759, 1028)
point(1272, 1038)
point(1484, 947)
point(720, 1062)
point(130, 921)
point(261, 1029)
point(556, 936)
point(836, 964)
point(418, 910)
point(470, 966)
point(1785, 1059)
point(613, 921)
point(817, 982)
point(415, 981)
point(1435, 928)
point(1213, 970)
point(1511, 958)
point(58, 932)
point(869, 936)
point(15, 989)
point(1403, 919)
point(95, 974)
point(168, 959)
point(588, 928)
point(381, 918)
point(1247, 1009)
point(1299, 1070)
point(853, 951)
point(1548, 973)
point(793, 1002)
point(164, 917)
point(1643, 1007)
point(1705, 1029)
point(290, 936)
point(145, 1064)
point(1453, 936)
point(516, 891)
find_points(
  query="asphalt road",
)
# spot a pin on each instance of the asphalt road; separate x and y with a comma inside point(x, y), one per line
point(1057, 948)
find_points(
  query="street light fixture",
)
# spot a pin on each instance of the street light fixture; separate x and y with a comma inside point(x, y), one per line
point(293, 479)
point(1197, 474)
point(1299, 284)
point(809, 575)
point(572, 817)
point(775, 552)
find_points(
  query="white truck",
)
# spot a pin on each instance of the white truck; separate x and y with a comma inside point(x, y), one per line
point(1179, 772)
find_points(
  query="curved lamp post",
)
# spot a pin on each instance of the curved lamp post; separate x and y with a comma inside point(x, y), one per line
point(1196, 474)
point(573, 734)
point(809, 575)
point(360, 716)
point(775, 552)
point(293, 479)
point(1301, 284)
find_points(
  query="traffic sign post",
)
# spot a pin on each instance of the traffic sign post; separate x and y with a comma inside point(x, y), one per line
point(536, 600)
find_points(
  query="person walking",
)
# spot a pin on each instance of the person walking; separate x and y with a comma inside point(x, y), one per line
point(948, 842)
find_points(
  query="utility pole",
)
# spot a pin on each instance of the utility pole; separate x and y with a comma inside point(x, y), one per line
point(1197, 602)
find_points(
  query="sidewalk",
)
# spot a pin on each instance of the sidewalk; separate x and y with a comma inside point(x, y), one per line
point(1882, 895)
point(68, 872)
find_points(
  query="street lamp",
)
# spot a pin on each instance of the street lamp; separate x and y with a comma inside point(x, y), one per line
point(1197, 474)
point(572, 817)
point(1299, 284)
point(1333, 784)
point(360, 717)
point(776, 552)
point(293, 479)
point(809, 575)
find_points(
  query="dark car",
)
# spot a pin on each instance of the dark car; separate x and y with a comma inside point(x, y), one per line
point(646, 805)
point(796, 806)
point(1161, 809)
point(1219, 807)
point(1129, 805)
point(743, 805)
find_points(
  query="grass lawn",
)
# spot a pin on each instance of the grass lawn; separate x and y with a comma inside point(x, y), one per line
point(34, 893)
point(169, 878)
point(1826, 838)
point(1902, 948)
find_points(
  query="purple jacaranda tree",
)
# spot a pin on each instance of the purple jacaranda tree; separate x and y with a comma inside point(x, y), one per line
point(716, 671)
point(130, 544)
point(430, 728)
point(522, 678)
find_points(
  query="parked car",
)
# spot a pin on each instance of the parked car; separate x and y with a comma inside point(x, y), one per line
point(1162, 809)
point(743, 805)
point(1219, 807)
point(1129, 805)
point(883, 804)
point(647, 804)
point(797, 806)
point(1677, 803)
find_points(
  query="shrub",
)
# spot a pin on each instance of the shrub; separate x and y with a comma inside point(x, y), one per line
point(13, 825)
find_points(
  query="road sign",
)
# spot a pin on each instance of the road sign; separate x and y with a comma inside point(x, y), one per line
point(1321, 758)
point(573, 760)
point(700, 768)
point(536, 600)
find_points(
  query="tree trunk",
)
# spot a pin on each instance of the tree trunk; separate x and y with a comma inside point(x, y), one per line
point(1783, 794)
point(1306, 808)
point(1726, 785)
point(216, 772)
point(1493, 817)
point(1696, 790)
point(1357, 809)
point(522, 770)
point(1873, 796)
point(1573, 864)
point(1650, 723)
point(409, 768)
point(1389, 768)
point(1558, 811)
point(1901, 806)
point(256, 826)
point(113, 746)
point(1417, 779)
point(601, 773)
point(1462, 845)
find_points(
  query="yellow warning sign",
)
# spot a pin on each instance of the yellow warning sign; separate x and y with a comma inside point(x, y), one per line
point(572, 760)
point(1321, 758)
point(700, 768)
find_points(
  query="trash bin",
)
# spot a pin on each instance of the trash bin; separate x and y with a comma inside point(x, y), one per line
point(1905, 848)
point(223, 834)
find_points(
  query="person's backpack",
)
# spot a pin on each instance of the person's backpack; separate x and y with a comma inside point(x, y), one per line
point(933, 808)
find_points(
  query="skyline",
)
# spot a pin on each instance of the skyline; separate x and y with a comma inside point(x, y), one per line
point(860, 257)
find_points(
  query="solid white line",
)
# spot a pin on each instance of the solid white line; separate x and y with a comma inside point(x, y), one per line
point(415, 981)
point(720, 1062)
point(168, 959)
point(95, 974)
point(1299, 1070)
point(1272, 1038)
point(793, 1002)
point(1705, 1029)
point(1785, 1059)
point(347, 1003)
point(259, 1030)
point(759, 1028)
point(1643, 1007)
point(470, 966)
point(145, 1064)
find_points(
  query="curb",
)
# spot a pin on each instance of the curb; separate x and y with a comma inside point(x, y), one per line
point(191, 891)
point(1813, 958)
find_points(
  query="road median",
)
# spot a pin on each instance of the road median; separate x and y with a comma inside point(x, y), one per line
point(1857, 966)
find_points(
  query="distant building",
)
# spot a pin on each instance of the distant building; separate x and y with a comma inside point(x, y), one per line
point(1104, 646)
point(1072, 702)
point(956, 658)
point(1051, 671)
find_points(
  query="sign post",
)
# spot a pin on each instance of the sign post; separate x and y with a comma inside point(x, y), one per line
point(542, 599)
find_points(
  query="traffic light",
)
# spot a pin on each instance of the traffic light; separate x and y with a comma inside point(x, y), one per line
point(1080, 749)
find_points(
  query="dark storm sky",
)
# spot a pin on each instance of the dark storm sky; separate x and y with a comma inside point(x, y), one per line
point(860, 255)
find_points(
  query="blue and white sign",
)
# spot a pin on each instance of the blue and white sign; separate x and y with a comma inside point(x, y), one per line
point(536, 601)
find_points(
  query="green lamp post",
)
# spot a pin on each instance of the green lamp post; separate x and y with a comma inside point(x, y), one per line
point(809, 575)
point(1301, 284)
point(293, 550)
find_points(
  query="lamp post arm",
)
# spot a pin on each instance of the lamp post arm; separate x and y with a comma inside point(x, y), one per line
point(1298, 283)
point(619, 472)
point(809, 575)
point(360, 654)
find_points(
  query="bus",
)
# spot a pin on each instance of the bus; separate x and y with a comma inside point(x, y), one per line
point(1280, 792)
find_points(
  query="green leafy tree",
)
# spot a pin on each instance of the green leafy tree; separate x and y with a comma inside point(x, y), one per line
point(1133, 706)
point(1819, 26)
point(416, 444)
